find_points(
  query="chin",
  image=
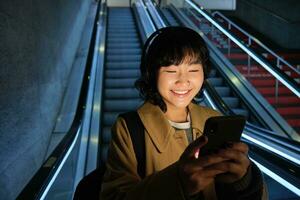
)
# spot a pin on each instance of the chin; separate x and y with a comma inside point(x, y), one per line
point(181, 104)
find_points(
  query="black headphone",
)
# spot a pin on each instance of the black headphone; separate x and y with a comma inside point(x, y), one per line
point(147, 45)
point(151, 40)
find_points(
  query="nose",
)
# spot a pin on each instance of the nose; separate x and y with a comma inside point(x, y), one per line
point(183, 80)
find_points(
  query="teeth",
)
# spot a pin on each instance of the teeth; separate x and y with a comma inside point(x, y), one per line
point(181, 92)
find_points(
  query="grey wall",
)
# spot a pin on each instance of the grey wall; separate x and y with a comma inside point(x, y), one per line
point(277, 20)
point(38, 41)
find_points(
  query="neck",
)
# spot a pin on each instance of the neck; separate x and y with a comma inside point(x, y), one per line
point(177, 115)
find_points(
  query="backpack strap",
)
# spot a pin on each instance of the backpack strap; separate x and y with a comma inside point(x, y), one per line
point(136, 131)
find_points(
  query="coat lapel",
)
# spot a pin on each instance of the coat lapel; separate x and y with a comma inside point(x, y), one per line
point(156, 125)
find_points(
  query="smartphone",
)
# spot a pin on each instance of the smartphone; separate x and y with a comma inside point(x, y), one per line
point(221, 130)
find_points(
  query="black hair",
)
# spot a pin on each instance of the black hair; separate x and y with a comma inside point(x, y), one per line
point(165, 47)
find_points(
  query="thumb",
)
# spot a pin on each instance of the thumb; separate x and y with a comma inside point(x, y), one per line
point(195, 146)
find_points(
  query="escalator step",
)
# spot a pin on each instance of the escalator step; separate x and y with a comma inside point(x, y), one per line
point(232, 102)
point(104, 151)
point(133, 73)
point(119, 83)
point(123, 58)
point(122, 40)
point(123, 35)
point(123, 51)
point(223, 91)
point(123, 45)
point(121, 31)
point(216, 81)
point(121, 93)
point(109, 118)
point(212, 73)
point(123, 65)
point(106, 134)
point(241, 112)
point(121, 105)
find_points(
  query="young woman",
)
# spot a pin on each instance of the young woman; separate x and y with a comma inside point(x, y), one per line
point(173, 67)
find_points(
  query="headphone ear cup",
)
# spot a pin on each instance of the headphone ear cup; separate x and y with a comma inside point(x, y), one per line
point(146, 48)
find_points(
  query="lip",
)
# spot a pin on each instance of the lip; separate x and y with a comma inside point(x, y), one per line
point(178, 93)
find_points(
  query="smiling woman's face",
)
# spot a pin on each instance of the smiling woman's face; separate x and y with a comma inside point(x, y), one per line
point(179, 84)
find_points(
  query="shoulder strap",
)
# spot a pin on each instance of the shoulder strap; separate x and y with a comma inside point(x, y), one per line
point(136, 131)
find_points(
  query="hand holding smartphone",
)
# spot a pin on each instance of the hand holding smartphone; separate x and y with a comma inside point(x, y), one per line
point(221, 130)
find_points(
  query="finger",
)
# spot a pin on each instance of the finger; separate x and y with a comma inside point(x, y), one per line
point(194, 147)
point(191, 168)
point(239, 146)
point(231, 167)
point(205, 161)
point(212, 170)
point(233, 155)
point(196, 165)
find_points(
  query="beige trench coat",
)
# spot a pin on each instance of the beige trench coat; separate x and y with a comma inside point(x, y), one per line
point(163, 146)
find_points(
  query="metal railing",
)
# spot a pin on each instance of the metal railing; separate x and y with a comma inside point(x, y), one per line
point(150, 27)
point(156, 18)
point(251, 39)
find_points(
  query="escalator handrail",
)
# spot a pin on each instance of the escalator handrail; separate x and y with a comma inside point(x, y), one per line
point(288, 82)
point(256, 41)
point(145, 18)
point(38, 183)
point(276, 139)
point(158, 22)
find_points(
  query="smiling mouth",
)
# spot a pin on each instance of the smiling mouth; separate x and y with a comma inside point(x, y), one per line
point(180, 92)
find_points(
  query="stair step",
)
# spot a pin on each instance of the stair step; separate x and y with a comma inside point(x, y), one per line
point(223, 91)
point(109, 118)
point(110, 51)
point(125, 73)
point(287, 100)
point(121, 105)
point(123, 45)
point(123, 58)
point(232, 102)
point(289, 111)
point(119, 83)
point(241, 112)
point(262, 82)
point(120, 93)
point(294, 122)
point(216, 81)
point(271, 90)
point(123, 65)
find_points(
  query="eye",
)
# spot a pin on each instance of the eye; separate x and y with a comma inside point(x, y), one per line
point(170, 71)
point(194, 70)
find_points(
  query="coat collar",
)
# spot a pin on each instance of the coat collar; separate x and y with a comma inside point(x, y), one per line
point(155, 122)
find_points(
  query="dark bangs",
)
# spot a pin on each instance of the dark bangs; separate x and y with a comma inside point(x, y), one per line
point(177, 48)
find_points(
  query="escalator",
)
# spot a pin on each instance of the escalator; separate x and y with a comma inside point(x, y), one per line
point(121, 70)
